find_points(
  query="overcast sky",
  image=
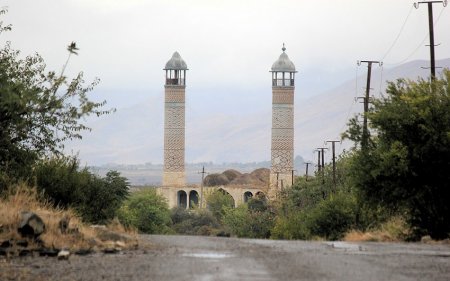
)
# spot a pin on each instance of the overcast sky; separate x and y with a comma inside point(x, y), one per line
point(229, 46)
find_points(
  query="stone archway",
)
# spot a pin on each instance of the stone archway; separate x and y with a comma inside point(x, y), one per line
point(182, 199)
point(193, 199)
point(260, 195)
point(224, 192)
point(247, 196)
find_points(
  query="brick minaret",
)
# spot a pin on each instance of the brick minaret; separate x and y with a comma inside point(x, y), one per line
point(174, 122)
point(283, 72)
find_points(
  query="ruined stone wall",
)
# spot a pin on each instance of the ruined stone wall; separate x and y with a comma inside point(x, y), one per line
point(172, 193)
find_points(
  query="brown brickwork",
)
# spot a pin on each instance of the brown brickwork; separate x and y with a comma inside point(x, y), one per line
point(283, 95)
point(282, 147)
point(174, 136)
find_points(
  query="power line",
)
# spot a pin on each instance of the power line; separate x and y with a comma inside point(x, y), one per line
point(354, 100)
point(418, 46)
point(399, 33)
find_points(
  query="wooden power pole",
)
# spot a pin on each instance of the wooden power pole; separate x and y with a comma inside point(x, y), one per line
point(306, 175)
point(322, 152)
point(365, 136)
point(333, 142)
point(431, 31)
point(318, 160)
point(201, 186)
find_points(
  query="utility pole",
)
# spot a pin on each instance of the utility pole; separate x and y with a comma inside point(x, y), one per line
point(431, 31)
point(365, 136)
point(292, 183)
point(278, 175)
point(333, 142)
point(306, 175)
point(318, 160)
point(201, 186)
point(322, 149)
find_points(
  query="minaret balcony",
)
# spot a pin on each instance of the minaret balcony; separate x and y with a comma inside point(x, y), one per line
point(175, 81)
point(283, 82)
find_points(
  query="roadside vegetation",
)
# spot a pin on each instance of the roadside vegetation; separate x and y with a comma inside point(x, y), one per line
point(47, 199)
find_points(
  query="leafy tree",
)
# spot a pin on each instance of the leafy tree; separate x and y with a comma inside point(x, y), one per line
point(146, 211)
point(39, 110)
point(102, 197)
point(406, 165)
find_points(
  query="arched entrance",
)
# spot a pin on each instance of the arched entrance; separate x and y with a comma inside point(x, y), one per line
point(182, 199)
point(193, 199)
point(260, 195)
point(247, 196)
point(228, 196)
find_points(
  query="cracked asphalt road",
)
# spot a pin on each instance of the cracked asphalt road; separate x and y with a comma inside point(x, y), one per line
point(213, 258)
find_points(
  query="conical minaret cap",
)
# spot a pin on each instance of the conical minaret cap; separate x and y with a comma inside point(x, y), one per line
point(176, 63)
point(283, 64)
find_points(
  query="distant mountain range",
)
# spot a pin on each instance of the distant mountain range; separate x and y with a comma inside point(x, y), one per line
point(151, 174)
point(135, 134)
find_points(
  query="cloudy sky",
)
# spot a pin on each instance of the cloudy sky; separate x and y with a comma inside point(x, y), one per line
point(229, 46)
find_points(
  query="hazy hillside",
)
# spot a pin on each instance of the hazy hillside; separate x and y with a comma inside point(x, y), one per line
point(135, 134)
point(324, 116)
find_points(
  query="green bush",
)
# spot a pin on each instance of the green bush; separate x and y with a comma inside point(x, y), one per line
point(292, 226)
point(96, 199)
point(249, 223)
point(218, 201)
point(332, 217)
point(146, 211)
point(194, 222)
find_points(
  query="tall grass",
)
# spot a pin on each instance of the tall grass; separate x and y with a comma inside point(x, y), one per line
point(394, 230)
point(20, 198)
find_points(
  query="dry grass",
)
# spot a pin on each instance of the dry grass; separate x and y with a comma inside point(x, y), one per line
point(78, 237)
point(394, 230)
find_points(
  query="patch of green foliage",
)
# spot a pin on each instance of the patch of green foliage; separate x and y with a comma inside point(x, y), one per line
point(146, 211)
point(95, 198)
point(218, 201)
point(253, 219)
point(405, 165)
point(195, 222)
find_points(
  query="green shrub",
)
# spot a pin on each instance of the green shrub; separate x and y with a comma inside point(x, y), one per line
point(245, 222)
point(146, 211)
point(96, 199)
point(194, 222)
point(217, 201)
point(332, 217)
point(292, 226)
